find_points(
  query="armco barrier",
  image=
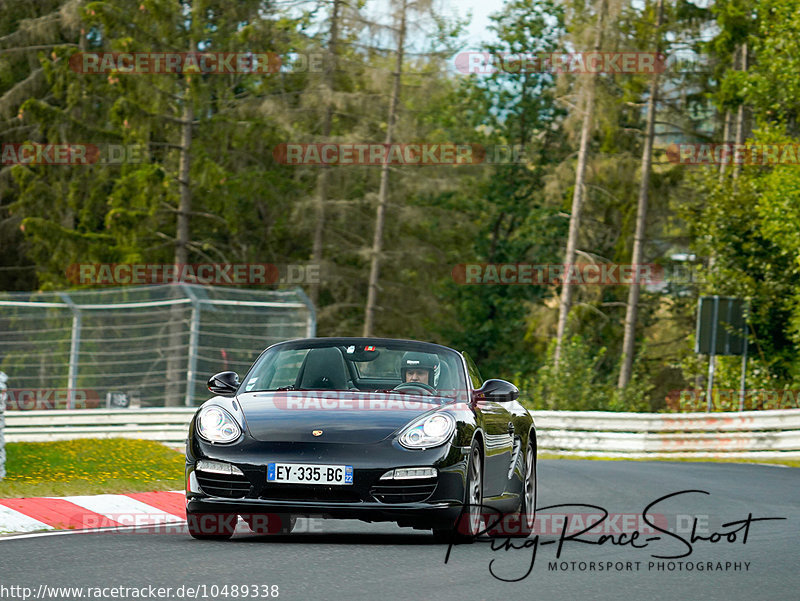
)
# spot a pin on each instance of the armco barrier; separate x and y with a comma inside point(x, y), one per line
point(167, 425)
point(750, 434)
point(746, 434)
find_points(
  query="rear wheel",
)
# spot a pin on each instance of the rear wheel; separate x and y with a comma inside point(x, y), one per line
point(211, 526)
point(470, 522)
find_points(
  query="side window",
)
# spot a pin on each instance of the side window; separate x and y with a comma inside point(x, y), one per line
point(472, 369)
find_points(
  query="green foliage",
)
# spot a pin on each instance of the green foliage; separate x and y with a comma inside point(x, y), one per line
point(746, 226)
point(579, 385)
point(248, 207)
point(515, 220)
point(575, 385)
point(772, 87)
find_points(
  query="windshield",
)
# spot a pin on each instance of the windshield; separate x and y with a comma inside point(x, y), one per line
point(358, 365)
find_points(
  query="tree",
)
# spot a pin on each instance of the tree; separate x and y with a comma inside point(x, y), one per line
point(641, 216)
point(172, 207)
point(513, 217)
point(323, 179)
point(27, 30)
point(580, 173)
point(383, 192)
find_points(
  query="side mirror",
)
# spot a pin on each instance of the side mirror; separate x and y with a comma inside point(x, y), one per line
point(225, 383)
point(497, 390)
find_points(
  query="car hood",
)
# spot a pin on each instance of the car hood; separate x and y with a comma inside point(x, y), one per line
point(343, 417)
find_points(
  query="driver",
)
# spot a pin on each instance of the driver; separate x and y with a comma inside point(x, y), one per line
point(420, 367)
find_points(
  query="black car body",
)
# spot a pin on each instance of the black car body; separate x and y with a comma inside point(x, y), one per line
point(314, 409)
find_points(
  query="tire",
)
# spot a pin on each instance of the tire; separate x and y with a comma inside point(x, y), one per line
point(527, 508)
point(263, 527)
point(211, 526)
point(470, 522)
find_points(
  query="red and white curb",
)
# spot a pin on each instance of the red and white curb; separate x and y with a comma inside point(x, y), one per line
point(92, 512)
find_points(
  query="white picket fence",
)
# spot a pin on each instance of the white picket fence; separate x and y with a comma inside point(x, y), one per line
point(746, 434)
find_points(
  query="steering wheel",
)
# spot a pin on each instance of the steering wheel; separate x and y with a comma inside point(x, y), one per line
point(416, 387)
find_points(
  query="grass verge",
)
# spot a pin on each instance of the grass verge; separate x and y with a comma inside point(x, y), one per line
point(90, 466)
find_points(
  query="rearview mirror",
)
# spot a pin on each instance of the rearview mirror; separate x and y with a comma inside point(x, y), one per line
point(497, 390)
point(224, 383)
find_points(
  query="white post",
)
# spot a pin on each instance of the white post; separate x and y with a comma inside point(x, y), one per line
point(194, 335)
point(74, 350)
point(742, 381)
point(712, 358)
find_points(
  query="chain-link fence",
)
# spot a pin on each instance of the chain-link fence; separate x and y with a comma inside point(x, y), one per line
point(149, 346)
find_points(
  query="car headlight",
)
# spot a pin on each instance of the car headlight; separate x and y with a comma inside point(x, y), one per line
point(428, 431)
point(216, 425)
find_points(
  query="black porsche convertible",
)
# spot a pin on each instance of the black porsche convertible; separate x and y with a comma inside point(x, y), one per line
point(360, 428)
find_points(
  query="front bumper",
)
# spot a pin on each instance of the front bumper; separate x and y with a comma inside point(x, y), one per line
point(424, 503)
point(421, 515)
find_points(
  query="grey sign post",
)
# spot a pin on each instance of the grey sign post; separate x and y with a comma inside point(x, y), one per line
point(722, 330)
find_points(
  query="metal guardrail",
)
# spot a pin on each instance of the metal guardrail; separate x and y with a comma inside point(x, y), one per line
point(167, 425)
point(752, 434)
point(746, 434)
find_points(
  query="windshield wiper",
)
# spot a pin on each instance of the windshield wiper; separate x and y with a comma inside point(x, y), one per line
point(281, 389)
point(293, 387)
point(409, 392)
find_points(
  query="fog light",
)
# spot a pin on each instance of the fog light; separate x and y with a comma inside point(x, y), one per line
point(410, 473)
point(218, 467)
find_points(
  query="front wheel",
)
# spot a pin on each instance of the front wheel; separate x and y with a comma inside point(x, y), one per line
point(470, 522)
point(527, 508)
point(211, 526)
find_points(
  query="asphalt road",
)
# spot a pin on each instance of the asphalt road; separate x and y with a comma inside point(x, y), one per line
point(326, 559)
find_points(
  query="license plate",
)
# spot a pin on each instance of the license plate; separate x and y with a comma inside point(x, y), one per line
point(309, 473)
